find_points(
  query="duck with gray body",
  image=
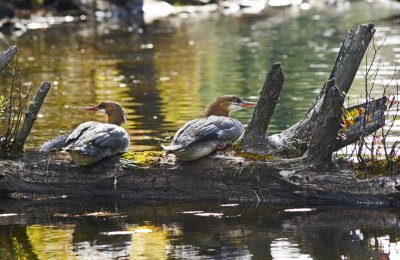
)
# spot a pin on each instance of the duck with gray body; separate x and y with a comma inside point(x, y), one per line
point(93, 141)
point(216, 130)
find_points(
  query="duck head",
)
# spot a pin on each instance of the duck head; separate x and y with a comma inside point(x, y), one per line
point(114, 111)
point(226, 104)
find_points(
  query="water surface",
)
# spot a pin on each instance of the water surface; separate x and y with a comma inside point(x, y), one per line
point(128, 230)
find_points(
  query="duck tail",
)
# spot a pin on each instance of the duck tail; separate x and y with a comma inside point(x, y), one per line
point(171, 148)
point(56, 143)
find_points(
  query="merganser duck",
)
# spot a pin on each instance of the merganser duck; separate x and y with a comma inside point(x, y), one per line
point(200, 137)
point(92, 141)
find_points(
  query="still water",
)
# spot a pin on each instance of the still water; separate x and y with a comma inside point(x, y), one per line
point(201, 231)
point(164, 78)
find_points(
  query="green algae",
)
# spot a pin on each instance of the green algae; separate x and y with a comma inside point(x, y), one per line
point(145, 158)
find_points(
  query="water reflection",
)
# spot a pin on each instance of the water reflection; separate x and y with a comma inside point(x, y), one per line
point(51, 242)
point(164, 231)
point(166, 76)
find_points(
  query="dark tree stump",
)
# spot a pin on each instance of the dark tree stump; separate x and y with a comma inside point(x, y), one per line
point(254, 139)
point(350, 55)
point(296, 138)
point(323, 139)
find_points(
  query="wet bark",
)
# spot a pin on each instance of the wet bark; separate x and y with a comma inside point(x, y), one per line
point(351, 54)
point(254, 139)
point(323, 138)
point(6, 56)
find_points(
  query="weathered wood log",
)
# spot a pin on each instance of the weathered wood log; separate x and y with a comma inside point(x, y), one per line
point(323, 139)
point(372, 106)
point(351, 54)
point(347, 62)
point(254, 139)
point(226, 178)
point(30, 115)
point(362, 128)
point(6, 56)
point(371, 120)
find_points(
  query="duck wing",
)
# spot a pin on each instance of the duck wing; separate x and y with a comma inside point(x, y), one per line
point(93, 138)
point(221, 128)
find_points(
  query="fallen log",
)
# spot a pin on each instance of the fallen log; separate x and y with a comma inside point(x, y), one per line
point(219, 177)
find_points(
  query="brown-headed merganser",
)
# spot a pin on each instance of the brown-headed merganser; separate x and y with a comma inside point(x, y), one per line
point(92, 141)
point(200, 137)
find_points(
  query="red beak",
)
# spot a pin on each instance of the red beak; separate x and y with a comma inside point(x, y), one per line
point(91, 108)
point(248, 104)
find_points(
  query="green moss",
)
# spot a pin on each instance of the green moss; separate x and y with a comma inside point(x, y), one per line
point(376, 167)
point(237, 147)
point(255, 157)
point(145, 158)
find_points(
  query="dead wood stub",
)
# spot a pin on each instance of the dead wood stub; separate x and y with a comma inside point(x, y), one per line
point(323, 139)
point(7, 55)
point(254, 139)
point(31, 115)
point(351, 54)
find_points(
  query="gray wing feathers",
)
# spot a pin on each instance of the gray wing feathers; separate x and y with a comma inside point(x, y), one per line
point(79, 130)
point(206, 131)
point(221, 128)
point(97, 134)
point(183, 129)
point(232, 134)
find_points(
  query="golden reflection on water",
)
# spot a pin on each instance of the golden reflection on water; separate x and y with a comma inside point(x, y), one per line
point(149, 242)
point(55, 242)
point(51, 242)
